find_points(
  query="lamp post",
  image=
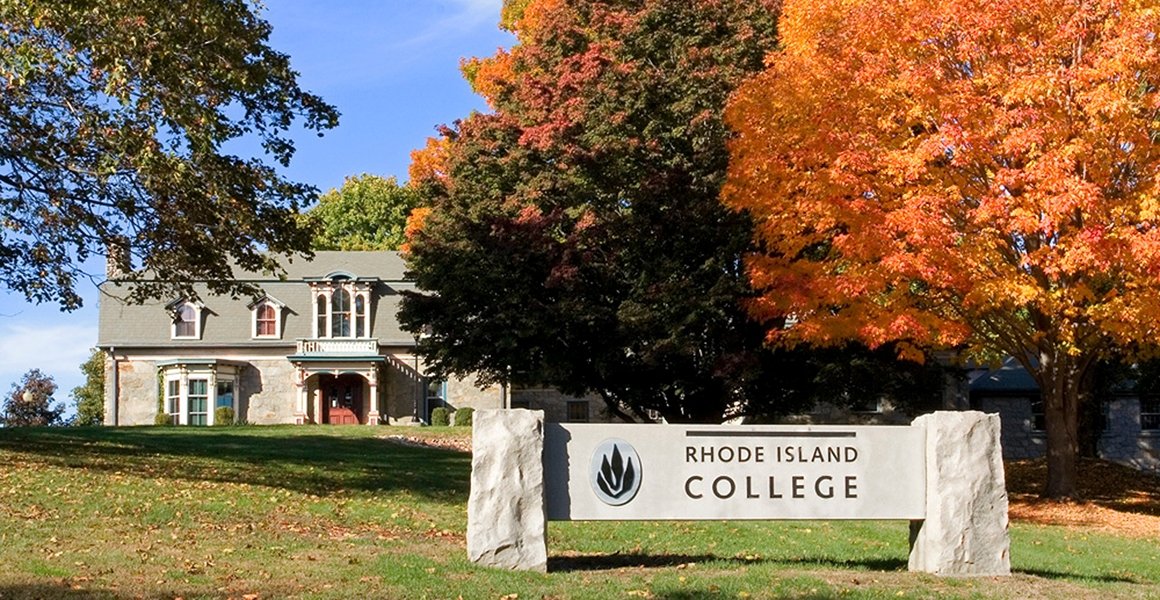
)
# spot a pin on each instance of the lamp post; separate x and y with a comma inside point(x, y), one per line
point(418, 377)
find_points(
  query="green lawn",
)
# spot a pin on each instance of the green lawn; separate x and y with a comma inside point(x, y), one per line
point(339, 512)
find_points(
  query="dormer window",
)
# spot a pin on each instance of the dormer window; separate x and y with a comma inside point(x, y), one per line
point(266, 321)
point(267, 318)
point(186, 320)
point(342, 307)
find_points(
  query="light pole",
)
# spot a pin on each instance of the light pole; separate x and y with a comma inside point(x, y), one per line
point(418, 377)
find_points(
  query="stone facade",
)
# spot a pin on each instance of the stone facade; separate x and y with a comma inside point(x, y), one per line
point(462, 393)
point(404, 388)
point(1122, 441)
point(562, 409)
point(138, 395)
point(263, 391)
point(1020, 438)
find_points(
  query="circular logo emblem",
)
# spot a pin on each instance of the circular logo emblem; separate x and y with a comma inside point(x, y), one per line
point(615, 472)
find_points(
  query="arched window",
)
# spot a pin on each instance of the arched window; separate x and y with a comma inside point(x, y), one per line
point(267, 319)
point(340, 314)
point(360, 313)
point(186, 321)
point(342, 306)
point(320, 310)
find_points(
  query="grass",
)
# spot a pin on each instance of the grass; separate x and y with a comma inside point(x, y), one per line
point(340, 512)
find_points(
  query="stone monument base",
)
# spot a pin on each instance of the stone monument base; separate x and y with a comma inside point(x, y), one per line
point(963, 531)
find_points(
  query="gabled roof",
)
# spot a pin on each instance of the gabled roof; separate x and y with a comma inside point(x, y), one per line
point(1009, 377)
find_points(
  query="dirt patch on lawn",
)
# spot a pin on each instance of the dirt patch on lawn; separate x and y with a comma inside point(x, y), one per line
point(457, 443)
point(1115, 498)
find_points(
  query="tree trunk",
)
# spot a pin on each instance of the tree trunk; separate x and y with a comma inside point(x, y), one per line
point(1061, 390)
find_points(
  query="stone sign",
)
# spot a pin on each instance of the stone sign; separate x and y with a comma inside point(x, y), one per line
point(732, 472)
point(944, 473)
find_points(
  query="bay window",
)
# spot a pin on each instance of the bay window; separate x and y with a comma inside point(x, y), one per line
point(195, 388)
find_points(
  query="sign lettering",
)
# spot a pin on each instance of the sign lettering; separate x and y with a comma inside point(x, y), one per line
point(733, 472)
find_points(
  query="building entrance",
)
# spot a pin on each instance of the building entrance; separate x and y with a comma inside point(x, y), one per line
point(342, 399)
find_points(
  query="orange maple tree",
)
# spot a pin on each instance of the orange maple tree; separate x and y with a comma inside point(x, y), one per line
point(960, 173)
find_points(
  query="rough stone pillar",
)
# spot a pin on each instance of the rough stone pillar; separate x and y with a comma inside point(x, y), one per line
point(965, 530)
point(506, 517)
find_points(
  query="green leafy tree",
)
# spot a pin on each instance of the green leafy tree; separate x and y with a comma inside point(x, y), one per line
point(367, 213)
point(29, 403)
point(113, 118)
point(574, 236)
point(90, 397)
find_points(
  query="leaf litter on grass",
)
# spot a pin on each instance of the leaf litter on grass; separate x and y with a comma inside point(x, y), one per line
point(1114, 498)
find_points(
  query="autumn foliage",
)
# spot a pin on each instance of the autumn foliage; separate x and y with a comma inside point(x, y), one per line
point(958, 173)
point(574, 236)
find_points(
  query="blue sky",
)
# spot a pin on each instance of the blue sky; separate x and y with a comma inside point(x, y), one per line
point(391, 68)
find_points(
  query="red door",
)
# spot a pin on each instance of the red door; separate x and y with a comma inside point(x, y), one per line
point(342, 400)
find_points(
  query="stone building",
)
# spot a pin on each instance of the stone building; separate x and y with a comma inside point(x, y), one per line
point(321, 345)
point(1129, 432)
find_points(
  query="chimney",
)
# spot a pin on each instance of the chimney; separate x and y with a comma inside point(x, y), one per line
point(117, 257)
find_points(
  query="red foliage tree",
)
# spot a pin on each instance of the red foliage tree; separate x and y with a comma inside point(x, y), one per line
point(29, 403)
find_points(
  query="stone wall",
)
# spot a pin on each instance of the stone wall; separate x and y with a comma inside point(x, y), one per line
point(555, 405)
point(1122, 441)
point(1020, 441)
point(402, 388)
point(137, 400)
point(463, 393)
point(266, 392)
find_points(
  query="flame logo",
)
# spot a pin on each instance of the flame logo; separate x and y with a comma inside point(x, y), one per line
point(616, 476)
point(616, 472)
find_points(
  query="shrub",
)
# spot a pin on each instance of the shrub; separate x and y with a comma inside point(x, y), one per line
point(162, 419)
point(440, 417)
point(223, 415)
point(463, 417)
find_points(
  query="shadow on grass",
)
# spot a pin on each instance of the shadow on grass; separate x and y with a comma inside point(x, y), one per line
point(308, 460)
point(1077, 577)
point(608, 562)
point(712, 595)
point(34, 591)
point(601, 562)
